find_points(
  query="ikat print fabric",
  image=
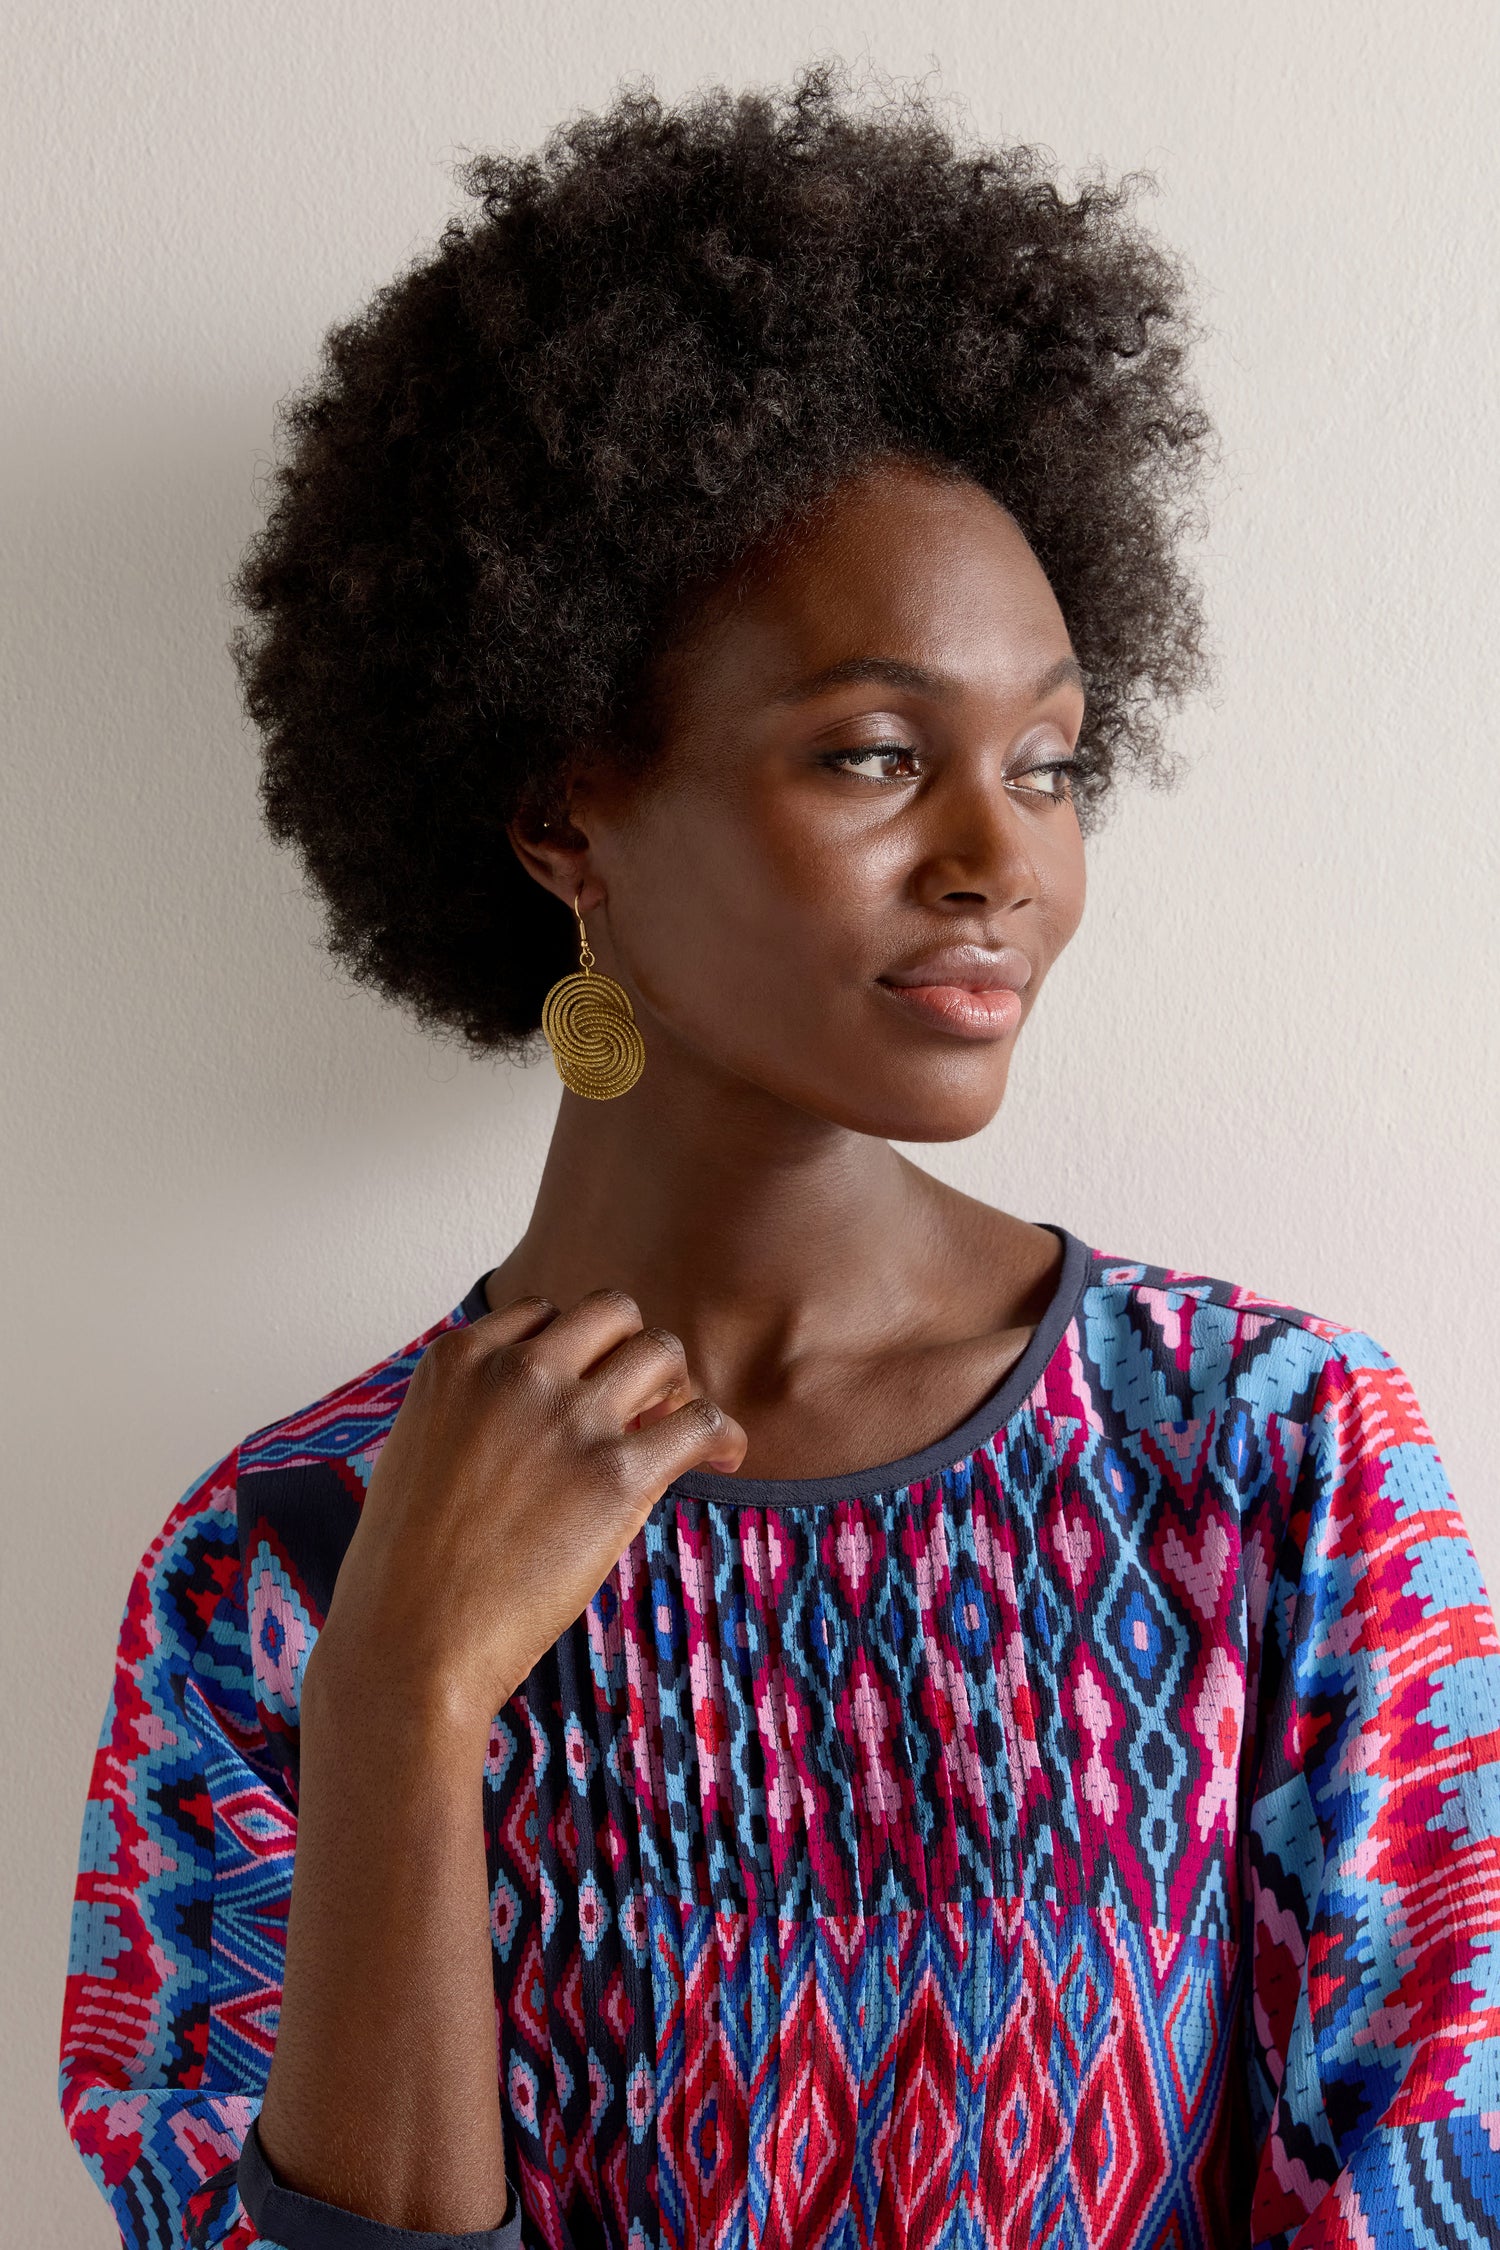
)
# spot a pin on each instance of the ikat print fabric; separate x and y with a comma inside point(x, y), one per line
point(1088, 1836)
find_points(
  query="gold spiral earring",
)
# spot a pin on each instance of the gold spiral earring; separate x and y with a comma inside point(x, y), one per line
point(589, 1025)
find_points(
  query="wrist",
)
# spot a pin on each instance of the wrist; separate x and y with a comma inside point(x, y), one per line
point(346, 1694)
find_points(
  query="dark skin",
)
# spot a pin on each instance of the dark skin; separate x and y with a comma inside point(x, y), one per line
point(864, 743)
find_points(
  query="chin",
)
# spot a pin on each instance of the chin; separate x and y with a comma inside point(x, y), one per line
point(921, 1112)
point(948, 1125)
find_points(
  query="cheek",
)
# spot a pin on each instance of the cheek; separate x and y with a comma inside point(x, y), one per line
point(676, 893)
point(1058, 865)
point(721, 877)
point(741, 932)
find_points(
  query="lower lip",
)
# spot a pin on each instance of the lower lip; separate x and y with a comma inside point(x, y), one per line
point(956, 1008)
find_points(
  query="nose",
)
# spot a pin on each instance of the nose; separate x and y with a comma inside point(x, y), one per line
point(977, 848)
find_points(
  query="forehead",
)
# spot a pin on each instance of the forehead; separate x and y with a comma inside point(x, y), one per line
point(897, 564)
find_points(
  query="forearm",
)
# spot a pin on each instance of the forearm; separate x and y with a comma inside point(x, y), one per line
point(382, 2095)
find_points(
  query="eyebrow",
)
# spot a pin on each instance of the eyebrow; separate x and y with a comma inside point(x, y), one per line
point(917, 679)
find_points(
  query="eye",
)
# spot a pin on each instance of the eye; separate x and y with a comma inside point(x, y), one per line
point(877, 761)
point(1056, 779)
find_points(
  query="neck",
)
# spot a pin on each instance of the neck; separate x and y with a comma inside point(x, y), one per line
point(720, 1208)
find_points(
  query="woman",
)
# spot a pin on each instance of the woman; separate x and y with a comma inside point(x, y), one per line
point(805, 1709)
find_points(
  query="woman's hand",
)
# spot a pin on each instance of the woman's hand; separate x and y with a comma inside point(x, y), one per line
point(529, 1449)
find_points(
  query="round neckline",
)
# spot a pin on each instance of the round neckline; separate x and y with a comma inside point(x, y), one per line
point(976, 1429)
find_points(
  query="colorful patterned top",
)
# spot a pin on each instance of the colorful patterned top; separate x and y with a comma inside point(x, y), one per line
point(1084, 1832)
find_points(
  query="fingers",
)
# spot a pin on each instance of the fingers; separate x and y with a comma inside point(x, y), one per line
point(513, 1323)
point(578, 1338)
point(631, 1372)
point(645, 1370)
point(700, 1435)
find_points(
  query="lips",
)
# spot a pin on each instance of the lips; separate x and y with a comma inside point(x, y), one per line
point(969, 990)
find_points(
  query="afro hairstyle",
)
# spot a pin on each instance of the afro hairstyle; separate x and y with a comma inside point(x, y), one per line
point(629, 361)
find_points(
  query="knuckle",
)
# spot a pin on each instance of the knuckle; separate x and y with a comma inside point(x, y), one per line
point(451, 1349)
point(664, 1342)
point(617, 1301)
point(516, 1367)
point(708, 1417)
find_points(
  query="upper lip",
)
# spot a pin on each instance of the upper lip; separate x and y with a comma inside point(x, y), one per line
point(978, 968)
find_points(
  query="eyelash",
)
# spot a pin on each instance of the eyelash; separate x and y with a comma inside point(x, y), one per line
point(844, 760)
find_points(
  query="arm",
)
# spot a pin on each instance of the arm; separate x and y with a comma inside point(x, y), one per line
point(163, 2054)
point(1373, 1900)
point(384, 2096)
point(175, 1984)
point(522, 1461)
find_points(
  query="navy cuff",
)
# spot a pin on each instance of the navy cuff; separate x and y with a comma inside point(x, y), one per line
point(300, 2222)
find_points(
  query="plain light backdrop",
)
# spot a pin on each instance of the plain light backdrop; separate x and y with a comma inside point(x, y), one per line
point(230, 1179)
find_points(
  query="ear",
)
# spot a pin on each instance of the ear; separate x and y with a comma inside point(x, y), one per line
point(556, 854)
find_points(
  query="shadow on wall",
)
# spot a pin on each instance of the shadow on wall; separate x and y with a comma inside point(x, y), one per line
point(189, 1033)
point(232, 1179)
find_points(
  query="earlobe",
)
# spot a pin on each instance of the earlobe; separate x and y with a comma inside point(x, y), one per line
point(553, 852)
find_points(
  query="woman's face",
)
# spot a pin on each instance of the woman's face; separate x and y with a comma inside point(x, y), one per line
point(856, 859)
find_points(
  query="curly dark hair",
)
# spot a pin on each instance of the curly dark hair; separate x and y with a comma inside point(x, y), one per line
point(648, 347)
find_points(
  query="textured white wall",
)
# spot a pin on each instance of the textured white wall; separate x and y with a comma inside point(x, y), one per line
point(230, 1180)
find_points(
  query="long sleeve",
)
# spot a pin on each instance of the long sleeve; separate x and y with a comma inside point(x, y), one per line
point(1373, 1880)
point(179, 1917)
point(180, 1907)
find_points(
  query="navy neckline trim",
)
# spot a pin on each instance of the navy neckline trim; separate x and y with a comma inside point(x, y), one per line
point(989, 1417)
